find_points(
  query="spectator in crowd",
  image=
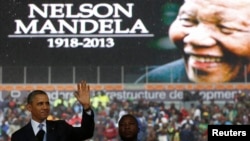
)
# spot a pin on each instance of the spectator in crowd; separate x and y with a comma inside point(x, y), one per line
point(187, 121)
point(186, 133)
point(110, 131)
point(162, 132)
point(104, 99)
point(128, 128)
point(39, 106)
point(99, 129)
point(213, 37)
point(142, 125)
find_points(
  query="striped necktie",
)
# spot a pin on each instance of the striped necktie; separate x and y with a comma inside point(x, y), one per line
point(41, 132)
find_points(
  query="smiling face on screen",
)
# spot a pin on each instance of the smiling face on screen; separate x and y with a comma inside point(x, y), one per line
point(214, 37)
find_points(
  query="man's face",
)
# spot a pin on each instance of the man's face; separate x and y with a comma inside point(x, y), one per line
point(214, 36)
point(39, 108)
point(128, 128)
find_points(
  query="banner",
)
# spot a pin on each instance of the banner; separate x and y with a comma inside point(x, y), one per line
point(181, 92)
point(167, 95)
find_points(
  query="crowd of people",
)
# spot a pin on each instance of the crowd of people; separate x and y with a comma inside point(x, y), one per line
point(158, 121)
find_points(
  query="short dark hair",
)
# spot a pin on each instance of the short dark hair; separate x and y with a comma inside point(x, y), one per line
point(33, 94)
point(129, 115)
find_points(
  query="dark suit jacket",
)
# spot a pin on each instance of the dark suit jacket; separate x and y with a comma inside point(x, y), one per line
point(60, 130)
point(173, 72)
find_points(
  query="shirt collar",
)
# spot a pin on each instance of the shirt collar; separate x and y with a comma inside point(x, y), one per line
point(35, 127)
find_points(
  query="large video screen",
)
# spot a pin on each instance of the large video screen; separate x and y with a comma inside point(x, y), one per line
point(179, 42)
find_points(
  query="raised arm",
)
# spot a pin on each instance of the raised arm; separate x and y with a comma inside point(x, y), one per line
point(83, 94)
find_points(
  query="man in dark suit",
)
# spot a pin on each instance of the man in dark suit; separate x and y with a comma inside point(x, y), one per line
point(39, 106)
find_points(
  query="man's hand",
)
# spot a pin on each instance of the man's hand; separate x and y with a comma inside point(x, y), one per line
point(83, 94)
